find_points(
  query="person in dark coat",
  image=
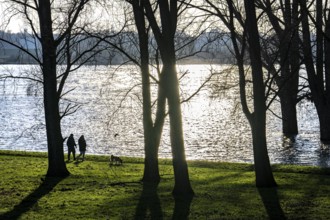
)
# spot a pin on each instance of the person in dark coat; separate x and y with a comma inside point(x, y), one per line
point(82, 147)
point(71, 147)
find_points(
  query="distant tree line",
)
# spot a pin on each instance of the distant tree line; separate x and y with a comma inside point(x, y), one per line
point(214, 43)
point(271, 44)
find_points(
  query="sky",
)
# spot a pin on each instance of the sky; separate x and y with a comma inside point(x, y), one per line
point(15, 25)
point(104, 16)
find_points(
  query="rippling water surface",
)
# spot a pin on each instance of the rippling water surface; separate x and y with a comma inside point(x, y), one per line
point(110, 98)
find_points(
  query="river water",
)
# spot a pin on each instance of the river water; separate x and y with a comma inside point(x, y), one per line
point(215, 128)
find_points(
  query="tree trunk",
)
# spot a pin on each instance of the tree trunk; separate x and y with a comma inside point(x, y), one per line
point(288, 46)
point(263, 171)
point(289, 114)
point(170, 83)
point(152, 132)
point(294, 65)
point(325, 124)
point(182, 183)
point(288, 102)
point(56, 164)
point(151, 169)
point(287, 81)
point(324, 120)
point(318, 79)
point(264, 175)
point(152, 137)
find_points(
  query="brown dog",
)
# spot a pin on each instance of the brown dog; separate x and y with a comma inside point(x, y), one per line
point(115, 160)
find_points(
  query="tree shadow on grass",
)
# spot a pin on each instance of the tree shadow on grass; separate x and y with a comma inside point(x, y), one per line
point(271, 202)
point(149, 206)
point(149, 201)
point(28, 202)
point(182, 207)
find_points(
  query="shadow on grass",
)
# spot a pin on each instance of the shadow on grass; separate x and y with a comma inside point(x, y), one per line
point(77, 162)
point(149, 206)
point(149, 202)
point(271, 202)
point(32, 199)
point(182, 207)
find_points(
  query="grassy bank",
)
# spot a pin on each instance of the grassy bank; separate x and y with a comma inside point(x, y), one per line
point(97, 191)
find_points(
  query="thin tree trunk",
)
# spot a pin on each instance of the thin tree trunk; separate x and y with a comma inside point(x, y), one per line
point(182, 183)
point(152, 137)
point(263, 171)
point(264, 175)
point(291, 128)
point(152, 132)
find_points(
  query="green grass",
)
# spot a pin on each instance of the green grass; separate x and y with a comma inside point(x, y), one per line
point(96, 191)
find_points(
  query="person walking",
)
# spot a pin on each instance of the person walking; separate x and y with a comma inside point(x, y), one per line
point(82, 147)
point(71, 147)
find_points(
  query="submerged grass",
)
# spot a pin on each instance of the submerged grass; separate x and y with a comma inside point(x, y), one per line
point(94, 190)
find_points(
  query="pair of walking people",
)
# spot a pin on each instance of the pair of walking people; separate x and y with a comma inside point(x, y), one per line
point(72, 147)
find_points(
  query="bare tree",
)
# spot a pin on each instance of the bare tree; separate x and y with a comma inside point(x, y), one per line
point(264, 175)
point(58, 31)
point(164, 33)
point(142, 49)
point(285, 52)
point(316, 52)
point(279, 46)
point(152, 129)
point(245, 36)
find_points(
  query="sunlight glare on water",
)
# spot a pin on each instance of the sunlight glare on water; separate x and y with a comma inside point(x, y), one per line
point(110, 98)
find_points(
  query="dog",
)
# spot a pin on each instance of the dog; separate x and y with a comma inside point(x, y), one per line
point(115, 160)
